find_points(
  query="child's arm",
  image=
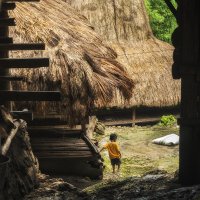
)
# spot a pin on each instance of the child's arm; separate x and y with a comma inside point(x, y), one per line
point(102, 149)
point(119, 151)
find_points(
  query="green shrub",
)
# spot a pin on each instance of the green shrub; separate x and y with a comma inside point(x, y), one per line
point(167, 120)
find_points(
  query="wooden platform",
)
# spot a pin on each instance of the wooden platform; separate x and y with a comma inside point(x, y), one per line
point(61, 150)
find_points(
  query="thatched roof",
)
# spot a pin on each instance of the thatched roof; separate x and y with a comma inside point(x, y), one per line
point(82, 66)
point(124, 24)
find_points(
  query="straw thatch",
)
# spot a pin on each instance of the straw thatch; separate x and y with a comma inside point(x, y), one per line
point(82, 66)
point(124, 24)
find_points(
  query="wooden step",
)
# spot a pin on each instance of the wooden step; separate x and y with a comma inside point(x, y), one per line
point(7, 22)
point(51, 130)
point(6, 40)
point(31, 46)
point(30, 96)
point(8, 6)
point(25, 115)
point(11, 78)
point(23, 62)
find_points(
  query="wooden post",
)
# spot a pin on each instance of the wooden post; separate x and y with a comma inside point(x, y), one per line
point(91, 126)
point(186, 63)
point(3, 54)
point(133, 117)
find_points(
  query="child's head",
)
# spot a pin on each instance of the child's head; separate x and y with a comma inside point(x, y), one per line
point(113, 137)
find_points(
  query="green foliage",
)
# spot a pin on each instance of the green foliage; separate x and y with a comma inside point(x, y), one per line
point(167, 120)
point(162, 20)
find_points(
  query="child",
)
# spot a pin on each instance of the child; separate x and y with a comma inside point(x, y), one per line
point(114, 152)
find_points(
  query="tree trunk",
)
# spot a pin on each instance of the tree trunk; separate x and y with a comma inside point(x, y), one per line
point(23, 168)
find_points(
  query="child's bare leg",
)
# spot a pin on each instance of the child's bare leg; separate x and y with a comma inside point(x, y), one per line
point(113, 167)
point(118, 167)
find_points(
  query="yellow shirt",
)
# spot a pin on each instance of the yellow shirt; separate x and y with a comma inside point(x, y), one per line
point(113, 150)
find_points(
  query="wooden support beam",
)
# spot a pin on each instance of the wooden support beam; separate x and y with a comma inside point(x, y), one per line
point(6, 40)
point(23, 62)
point(133, 117)
point(30, 95)
point(171, 8)
point(91, 126)
point(92, 146)
point(8, 6)
point(16, 46)
point(12, 78)
point(4, 33)
point(7, 22)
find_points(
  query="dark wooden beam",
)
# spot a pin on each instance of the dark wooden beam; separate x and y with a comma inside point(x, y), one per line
point(4, 33)
point(7, 22)
point(23, 62)
point(171, 8)
point(8, 6)
point(29, 46)
point(6, 40)
point(25, 115)
point(11, 78)
point(30, 95)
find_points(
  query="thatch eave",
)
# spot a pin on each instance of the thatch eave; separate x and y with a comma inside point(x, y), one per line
point(82, 66)
point(125, 27)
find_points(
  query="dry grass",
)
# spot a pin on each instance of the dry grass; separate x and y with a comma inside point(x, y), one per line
point(82, 66)
point(124, 24)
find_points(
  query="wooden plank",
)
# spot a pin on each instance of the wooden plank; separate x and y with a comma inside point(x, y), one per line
point(58, 149)
point(7, 22)
point(57, 145)
point(28, 46)
point(89, 142)
point(11, 78)
point(64, 156)
point(8, 6)
point(6, 40)
point(30, 96)
point(25, 115)
point(23, 62)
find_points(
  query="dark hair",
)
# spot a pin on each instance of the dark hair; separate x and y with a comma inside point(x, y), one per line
point(113, 136)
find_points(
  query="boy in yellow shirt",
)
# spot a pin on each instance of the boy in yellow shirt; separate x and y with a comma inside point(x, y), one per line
point(113, 151)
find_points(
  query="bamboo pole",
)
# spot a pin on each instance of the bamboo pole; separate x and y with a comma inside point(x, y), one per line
point(12, 134)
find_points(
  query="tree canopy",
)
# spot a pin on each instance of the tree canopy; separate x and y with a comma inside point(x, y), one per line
point(162, 20)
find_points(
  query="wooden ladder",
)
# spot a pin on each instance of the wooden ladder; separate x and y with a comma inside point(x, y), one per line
point(6, 63)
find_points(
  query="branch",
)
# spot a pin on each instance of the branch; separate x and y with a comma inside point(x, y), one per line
point(171, 7)
point(12, 134)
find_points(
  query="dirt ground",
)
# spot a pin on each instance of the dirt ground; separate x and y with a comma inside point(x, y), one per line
point(139, 154)
point(139, 157)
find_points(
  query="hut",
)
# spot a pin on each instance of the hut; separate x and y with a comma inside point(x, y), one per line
point(82, 67)
point(124, 25)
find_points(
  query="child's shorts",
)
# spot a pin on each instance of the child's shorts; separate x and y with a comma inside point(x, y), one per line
point(115, 161)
